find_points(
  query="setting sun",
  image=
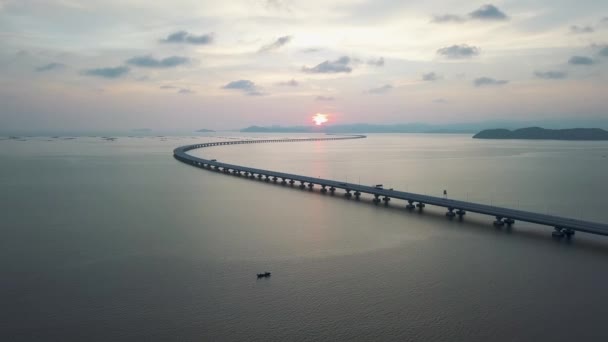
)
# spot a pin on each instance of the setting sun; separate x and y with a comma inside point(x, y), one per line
point(319, 119)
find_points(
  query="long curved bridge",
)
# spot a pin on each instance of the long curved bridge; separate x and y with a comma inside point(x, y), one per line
point(563, 227)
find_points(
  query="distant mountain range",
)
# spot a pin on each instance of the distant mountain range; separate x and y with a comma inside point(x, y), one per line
point(204, 130)
point(365, 128)
point(537, 133)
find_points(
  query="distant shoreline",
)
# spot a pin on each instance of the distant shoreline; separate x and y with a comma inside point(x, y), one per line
point(538, 133)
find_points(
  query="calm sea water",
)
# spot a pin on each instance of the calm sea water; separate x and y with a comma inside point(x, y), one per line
point(117, 241)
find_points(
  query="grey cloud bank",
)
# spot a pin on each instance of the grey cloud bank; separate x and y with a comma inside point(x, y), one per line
point(277, 44)
point(376, 62)
point(330, 67)
point(431, 76)
point(150, 62)
point(458, 51)
point(381, 90)
point(115, 72)
point(185, 37)
point(324, 98)
point(488, 12)
point(487, 81)
point(246, 86)
point(580, 60)
point(581, 29)
point(290, 83)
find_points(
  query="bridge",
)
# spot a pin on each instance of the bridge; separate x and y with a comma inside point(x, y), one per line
point(563, 227)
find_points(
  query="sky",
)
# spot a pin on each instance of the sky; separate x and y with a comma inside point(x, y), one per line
point(191, 64)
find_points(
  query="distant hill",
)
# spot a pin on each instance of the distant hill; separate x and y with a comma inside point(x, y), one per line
point(362, 128)
point(537, 133)
point(204, 130)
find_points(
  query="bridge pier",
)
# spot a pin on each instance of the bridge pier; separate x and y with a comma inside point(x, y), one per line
point(376, 199)
point(274, 179)
point(460, 213)
point(420, 206)
point(509, 221)
point(291, 181)
point(563, 232)
point(386, 199)
point(410, 205)
point(332, 190)
point(347, 194)
point(357, 195)
point(266, 178)
point(311, 186)
point(450, 214)
point(259, 176)
point(498, 222)
point(301, 185)
point(283, 181)
point(323, 189)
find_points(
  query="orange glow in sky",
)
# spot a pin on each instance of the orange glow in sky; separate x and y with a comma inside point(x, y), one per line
point(319, 119)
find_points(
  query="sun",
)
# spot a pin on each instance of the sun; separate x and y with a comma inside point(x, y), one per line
point(319, 119)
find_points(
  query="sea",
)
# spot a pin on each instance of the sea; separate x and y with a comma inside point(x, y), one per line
point(115, 240)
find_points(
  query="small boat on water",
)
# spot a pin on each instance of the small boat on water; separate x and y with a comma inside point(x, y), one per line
point(264, 275)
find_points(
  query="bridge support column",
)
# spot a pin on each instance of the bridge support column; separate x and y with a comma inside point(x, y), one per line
point(266, 179)
point(498, 222)
point(259, 176)
point(410, 205)
point(376, 199)
point(347, 194)
point(558, 233)
point(420, 206)
point(450, 214)
point(274, 179)
point(302, 185)
point(509, 221)
point(460, 213)
point(332, 190)
point(310, 186)
point(291, 181)
point(357, 195)
point(569, 232)
point(250, 175)
point(386, 199)
point(283, 181)
point(323, 189)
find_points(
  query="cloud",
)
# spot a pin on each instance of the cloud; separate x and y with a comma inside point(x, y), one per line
point(168, 87)
point(550, 75)
point(151, 62)
point(604, 51)
point(604, 20)
point(50, 66)
point(488, 12)
point(581, 29)
point(277, 44)
point(290, 83)
point(185, 91)
point(324, 98)
point(246, 86)
point(381, 90)
point(330, 67)
point(487, 81)
point(458, 51)
point(180, 37)
point(107, 72)
point(431, 76)
point(580, 60)
point(376, 62)
point(448, 18)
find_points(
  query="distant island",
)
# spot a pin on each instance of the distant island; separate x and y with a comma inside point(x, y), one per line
point(538, 133)
point(204, 130)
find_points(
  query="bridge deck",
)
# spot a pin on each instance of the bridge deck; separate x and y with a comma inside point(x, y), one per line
point(520, 215)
